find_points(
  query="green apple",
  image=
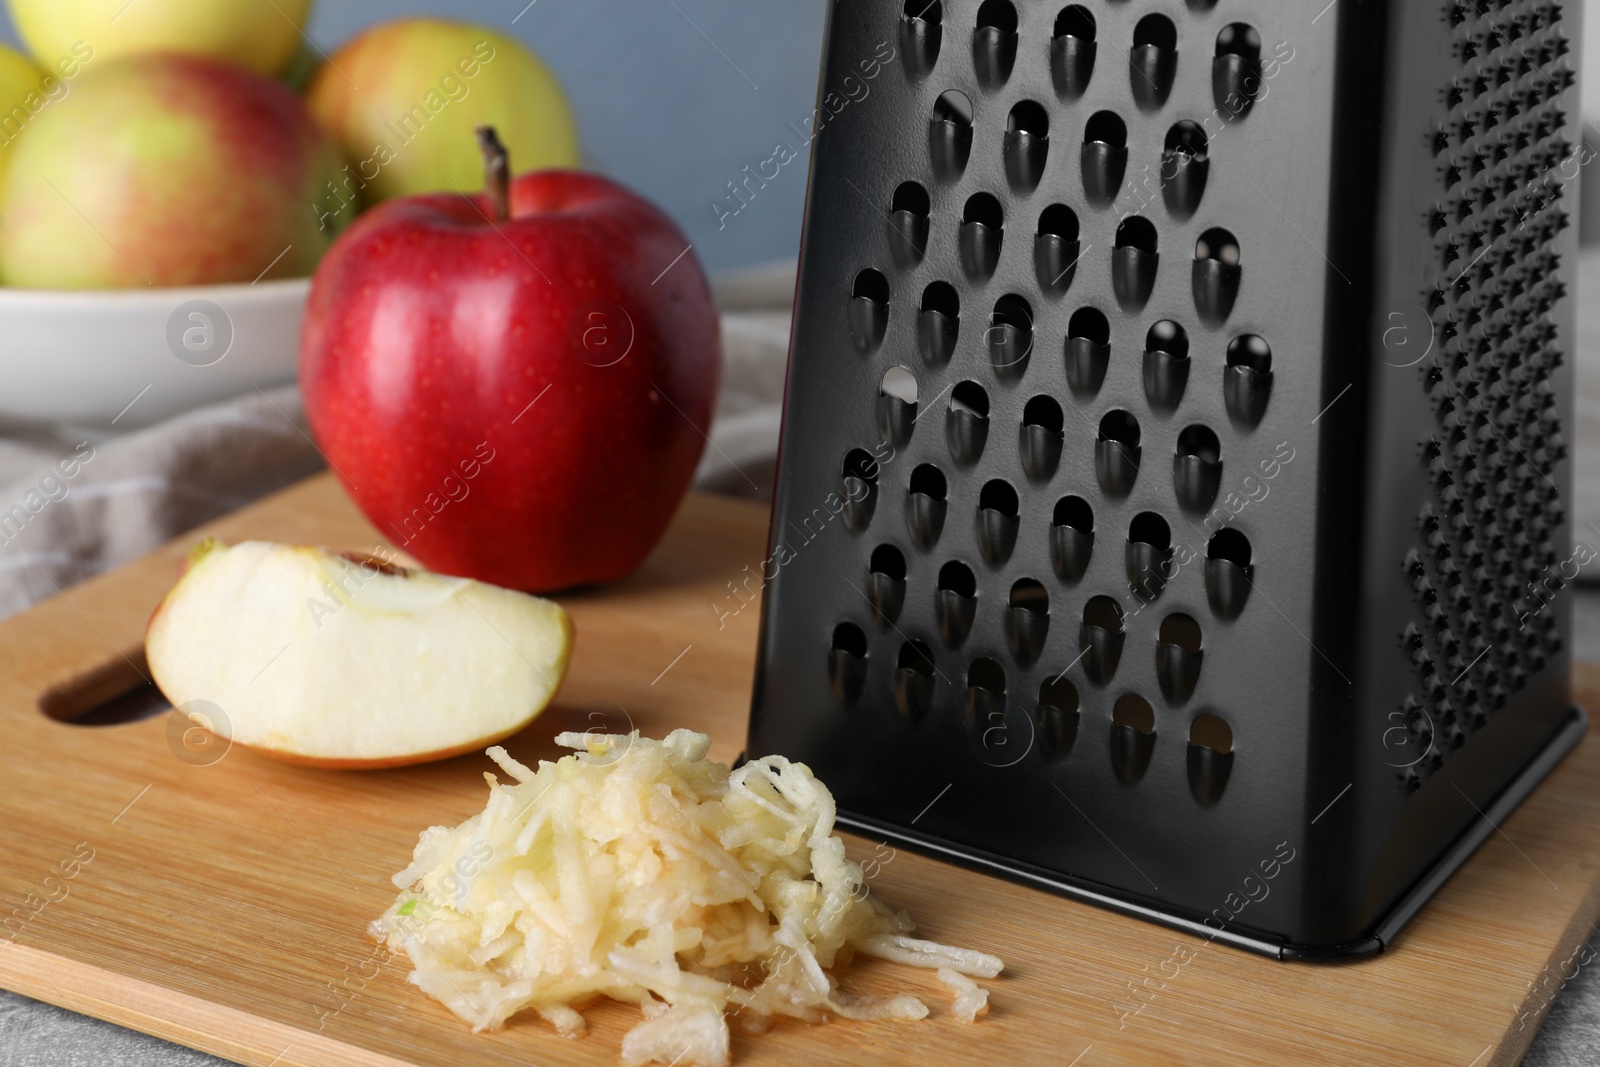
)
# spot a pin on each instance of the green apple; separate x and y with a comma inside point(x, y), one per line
point(425, 84)
point(260, 35)
point(167, 170)
point(22, 96)
point(349, 661)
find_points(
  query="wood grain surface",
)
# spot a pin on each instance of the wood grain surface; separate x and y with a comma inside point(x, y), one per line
point(222, 903)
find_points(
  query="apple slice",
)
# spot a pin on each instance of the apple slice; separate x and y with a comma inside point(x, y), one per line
point(350, 662)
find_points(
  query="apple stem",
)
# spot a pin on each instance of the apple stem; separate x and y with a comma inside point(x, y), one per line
point(496, 172)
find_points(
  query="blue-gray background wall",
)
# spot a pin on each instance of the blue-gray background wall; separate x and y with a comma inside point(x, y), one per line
point(661, 101)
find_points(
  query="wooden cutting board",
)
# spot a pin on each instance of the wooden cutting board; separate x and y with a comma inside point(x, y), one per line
point(223, 904)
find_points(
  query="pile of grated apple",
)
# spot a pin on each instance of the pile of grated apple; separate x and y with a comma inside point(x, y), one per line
point(642, 871)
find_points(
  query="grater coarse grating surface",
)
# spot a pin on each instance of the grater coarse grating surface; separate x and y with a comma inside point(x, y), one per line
point(1172, 502)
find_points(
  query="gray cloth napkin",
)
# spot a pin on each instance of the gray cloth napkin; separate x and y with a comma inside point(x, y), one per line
point(71, 507)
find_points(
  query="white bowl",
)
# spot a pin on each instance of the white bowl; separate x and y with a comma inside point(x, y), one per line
point(118, 359)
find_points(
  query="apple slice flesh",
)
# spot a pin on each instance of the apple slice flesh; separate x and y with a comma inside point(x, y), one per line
point(347, 662)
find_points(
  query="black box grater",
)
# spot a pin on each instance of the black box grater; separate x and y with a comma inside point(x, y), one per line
point(1173, 498)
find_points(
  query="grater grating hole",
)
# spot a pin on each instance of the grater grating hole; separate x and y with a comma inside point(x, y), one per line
point(938, 323)
point(858, 463)
point(912, 197)
point(1228, 572)
point(984, 673)
point(1201, 443)
point(1147, 556)
point(1055, 249)
point(1229, 545)
point(913, 679)
point(1026, 145)
point(1074, 511)
point(953, 106)
point(899, 383)
point(985, 709)
point(897, 405)
point(888, 561)
point(1088, 349)
point(1236, 70)
point(1010, 336)
point(997, 521)
point(1239, 39)
point(1212, 731)
point(925, 505)
point(1104, 157)
point(1116, 452)
point(998, 15)
point(1210, 759)
point(1185, 166)
point(1156, 31)
point(1106, 128)
point(967, 423)
point(1133, 735)
point(1029, 117)
point(956, 577)
point(915, 656)
point(994, 43)
point(998, 495)
point(909, 224)
point(1090, 323)
point(1072, 52)
point(1247, 379)
point(950, 135)
point(970, 397)
point(847, 661)
point(1029, 594)
point(928, 480)
point(1057, 727)
point(1153, 62)
point(1045, 413)
point(869, 309)
point(982, 231)
point(1027, 619)
point(1179, 654)
point(1250, 350)
point(1217, 244)
point(1059, 692)
point(1134, 712)
point(1043, 423)
point(1166, 365)
point(1071, 537)
point(1187, 138)
point(1120, 427)
point(1150, 528)
point(1134, 259)
point(849, 639)
point(858, 483)
point(1059, 220)
point(1197, 468)
point(1100, 639)
point(1168, 337)
point(1075, 21)
point(1217, 274)
point(921, 35)
point(1104, 613)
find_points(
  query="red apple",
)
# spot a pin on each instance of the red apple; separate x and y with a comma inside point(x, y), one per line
point(514, 386)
